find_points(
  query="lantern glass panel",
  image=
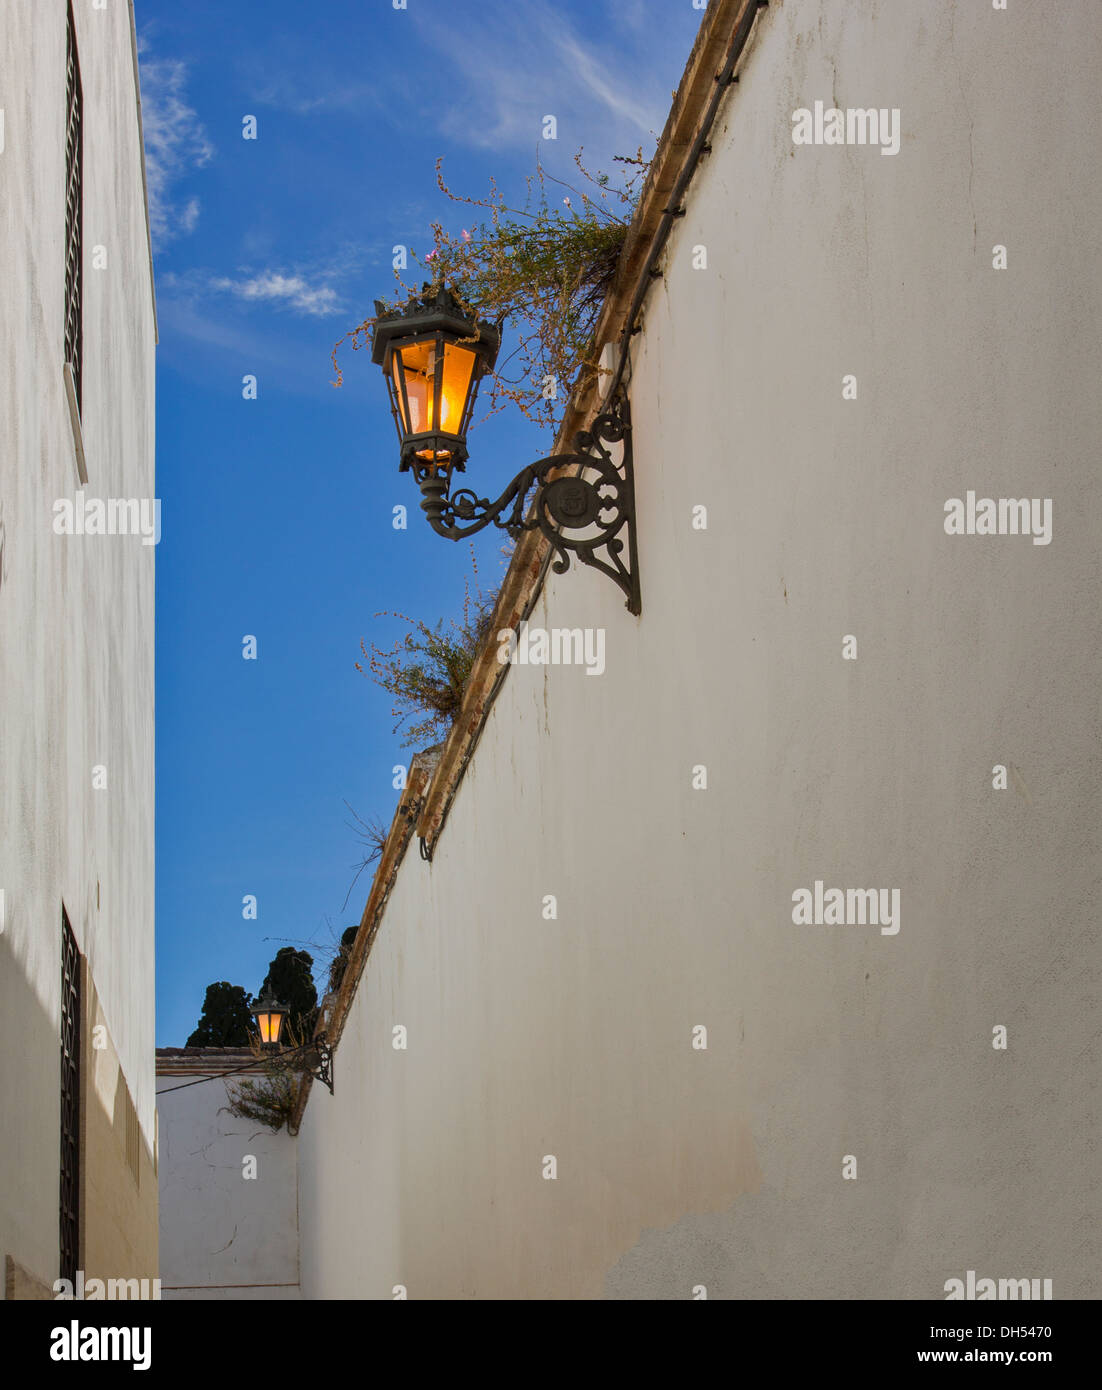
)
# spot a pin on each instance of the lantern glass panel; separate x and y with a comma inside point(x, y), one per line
point(417, 366)
point(270, 1024)
point(459, 363)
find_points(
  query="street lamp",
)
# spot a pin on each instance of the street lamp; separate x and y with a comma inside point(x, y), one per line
point(433, 354)
point(433, 357)
point(269, 1017)
point(317, 1055)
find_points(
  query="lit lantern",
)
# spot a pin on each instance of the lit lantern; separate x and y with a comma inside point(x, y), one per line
point(269, 1019)
point(433, 356)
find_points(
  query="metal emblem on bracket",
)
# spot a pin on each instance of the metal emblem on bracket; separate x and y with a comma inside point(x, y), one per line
point(589, 513)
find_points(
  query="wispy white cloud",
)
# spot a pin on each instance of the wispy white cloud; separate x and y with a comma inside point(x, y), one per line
point(287, 291)
point(619, 100)
point(197, 344)
point(611, 94)
point(307, 290)
point(175, 143)
point(286, 93)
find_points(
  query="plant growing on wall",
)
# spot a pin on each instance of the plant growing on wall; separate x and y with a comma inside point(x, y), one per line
point(426, 670)
point(372, 835)
point(545, 268)
point(269, 1099)
point(339, 964)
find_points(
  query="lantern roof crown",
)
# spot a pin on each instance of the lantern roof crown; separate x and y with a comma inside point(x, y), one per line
point(435, 311)
point(269, 1004)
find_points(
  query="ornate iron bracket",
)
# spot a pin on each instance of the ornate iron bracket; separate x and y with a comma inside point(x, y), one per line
point(582, 513)
point(320, 1061)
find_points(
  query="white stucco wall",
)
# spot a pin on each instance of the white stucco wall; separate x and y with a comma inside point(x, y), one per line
point(572, 1037)
point(76, 613)
point(224, 1235)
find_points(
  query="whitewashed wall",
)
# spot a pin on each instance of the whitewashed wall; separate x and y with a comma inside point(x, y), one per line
point(224, 1235)
point(76, 613)
point(723, 1168)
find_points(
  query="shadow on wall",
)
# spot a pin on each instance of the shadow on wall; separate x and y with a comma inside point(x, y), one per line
point(30, 1138)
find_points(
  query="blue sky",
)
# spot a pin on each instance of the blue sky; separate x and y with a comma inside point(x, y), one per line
point(277, 511)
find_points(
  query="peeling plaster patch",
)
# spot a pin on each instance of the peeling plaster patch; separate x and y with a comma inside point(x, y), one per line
point(654, 1259)
point(767, 1246)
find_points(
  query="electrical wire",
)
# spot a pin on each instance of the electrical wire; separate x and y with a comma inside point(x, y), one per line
point(250, 1066)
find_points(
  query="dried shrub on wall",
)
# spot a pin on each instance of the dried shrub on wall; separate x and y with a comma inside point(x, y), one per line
point(426, 670)
point(269, 1099)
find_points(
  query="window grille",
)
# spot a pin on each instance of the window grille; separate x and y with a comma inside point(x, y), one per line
point(70, 1101)
point(74, 204)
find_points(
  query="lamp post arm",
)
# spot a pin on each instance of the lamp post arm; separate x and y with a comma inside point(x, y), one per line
point(465, 513)
point(588, 511)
